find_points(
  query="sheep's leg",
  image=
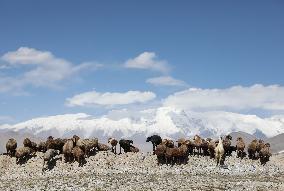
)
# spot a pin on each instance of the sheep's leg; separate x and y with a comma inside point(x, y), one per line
point(119, 149)
point(153, 148)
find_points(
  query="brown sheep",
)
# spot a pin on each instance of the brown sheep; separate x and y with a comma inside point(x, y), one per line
point(227, 144)
point(103, 147)
point(67, 150)
point(41, 147)
point(260, 145)
point(160, 152)
point(197, 144)
point(205, 147)
point(27, 143)
point(87, 145)
point(56, 144)
point(79, 155)
point(134, 149)
point(49, 157)
point(11, 147)
point(265, 154)
point(183, 151)
point(252, 149)
point(211, 147)
point(22, 154)
point(240, 147)
point(172, 155)
point(113, 142)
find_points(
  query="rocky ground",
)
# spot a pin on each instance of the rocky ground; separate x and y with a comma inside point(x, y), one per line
point(139, 171)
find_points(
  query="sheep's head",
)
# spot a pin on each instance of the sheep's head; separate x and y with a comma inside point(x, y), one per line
point(267, 144)
point(50, 138)
point(148, 139)
point(260, 141)
point(239, 139)
point(229, 137)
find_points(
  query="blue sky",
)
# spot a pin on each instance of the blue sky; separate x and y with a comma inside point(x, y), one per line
point(205, 44)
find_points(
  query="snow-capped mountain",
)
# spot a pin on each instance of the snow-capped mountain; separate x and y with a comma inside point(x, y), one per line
point(165, 121)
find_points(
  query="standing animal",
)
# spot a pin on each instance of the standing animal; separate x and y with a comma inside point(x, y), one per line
point(211, 147)
point(125, 144)
point(11, 147)
point(252, 147)
point(79, 155)
point(27, 143)
point(227, 144)
point(49, 157)
point(156, 140)
point(134, 149)
point(22, 154)
point(113, 142)
point(265, 154)
point(240, 148)
point(219, 152)
point(197, 144)
point(88, 145)
point(67, 150)
point(56, 144)
point(204, 146)
point(259, 146)
point(160, 152)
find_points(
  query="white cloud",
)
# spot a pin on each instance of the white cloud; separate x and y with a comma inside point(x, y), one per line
point(166, 81)
point(147, 60)
point(45, 69)
point(109, 99)
point(233, 98)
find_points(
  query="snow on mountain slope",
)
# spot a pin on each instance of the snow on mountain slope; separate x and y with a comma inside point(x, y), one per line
point(165, 121)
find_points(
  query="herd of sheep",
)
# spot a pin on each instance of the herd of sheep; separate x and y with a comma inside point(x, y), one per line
point(77, 149)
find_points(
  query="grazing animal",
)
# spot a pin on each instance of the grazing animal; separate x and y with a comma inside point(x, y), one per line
point(240, 147)
point(227, 144)
point(49, 157)
point(252, 147)
point(67, 150)
point(11, 147)
point(103, 147)
point(183, 151)
point(22, 154)
point(88, 145)
point(197, 144)
point(172, 155)
point(265, 154)
point(219, 152)
point(79, 155)
point(125, 144)
point(259, 146)
point(41, 147)
point(113, 142)
point(156, 140)
point(134, 149)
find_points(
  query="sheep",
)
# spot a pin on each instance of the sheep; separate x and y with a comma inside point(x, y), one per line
point(183, 151)
point(41, 147)
point(252, 149)
point(160, 152)
point(76, 138)
point(49, 157)
point(204, 146)
point(22, 154)
point(134, 149)
point(87, 145)
point(67, 150)
point(172, 155)
point(156, 140)
point(197, 143)
point(125, 144)
point(227, 144)
point(219, 152)
point(11, 147)
point(240, 147)
point(103, 147)
point(27, 143)
point(79, 155)
point(180, 141)
point(265, 154)
point(259, 146)
point(56, 144)
point(211, 147)
point(113, 142)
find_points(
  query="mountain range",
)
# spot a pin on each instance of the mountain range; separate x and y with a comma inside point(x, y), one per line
point(166, 121)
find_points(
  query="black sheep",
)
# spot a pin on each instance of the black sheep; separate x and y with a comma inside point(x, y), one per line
point(156, 140)
point(125, 144)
